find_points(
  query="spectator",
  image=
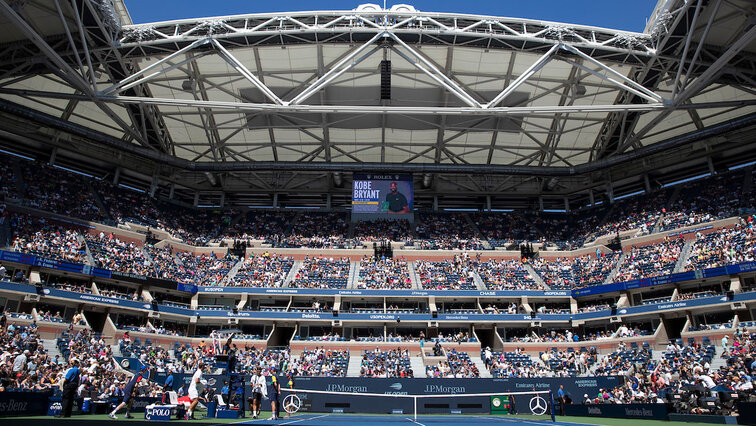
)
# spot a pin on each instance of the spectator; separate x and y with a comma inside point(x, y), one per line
point(384, 273)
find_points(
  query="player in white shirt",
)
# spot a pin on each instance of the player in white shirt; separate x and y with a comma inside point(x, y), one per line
point(259, 388)
point(193, 392)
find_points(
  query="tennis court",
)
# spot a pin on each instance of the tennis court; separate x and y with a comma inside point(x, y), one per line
point(381, 420)
point(332, 419)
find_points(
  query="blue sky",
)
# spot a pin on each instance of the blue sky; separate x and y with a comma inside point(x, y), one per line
point(629, 15)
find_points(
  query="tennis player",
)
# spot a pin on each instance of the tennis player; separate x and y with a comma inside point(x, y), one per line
point(274, 393)
point(291, 386)
point(257, 382)
point(193, 391)
point(129, 393)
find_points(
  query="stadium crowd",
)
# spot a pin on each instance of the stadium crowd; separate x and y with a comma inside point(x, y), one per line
point(457, 273)
point(62, 191)
point(49, 239)
point(650, 260)
point(390, 363)
point(110, 252)
point(507, 274)
point(513, 364)
point(265, 270)
point(383, 273)
point(553, 336)
point(317, 230)
point(446, 232)
point(503, 229)
point(457, 365)
point(318, 272)
point(382, 229)
point(44, 238)
point(723, 247)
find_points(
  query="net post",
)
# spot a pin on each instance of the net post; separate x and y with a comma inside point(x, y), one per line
point(415, 399)
point(553, 409)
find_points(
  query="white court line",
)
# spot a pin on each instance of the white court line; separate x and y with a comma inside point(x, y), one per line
point(415, 421)
point(513, 420)
point(543, 423)
point(304, 420)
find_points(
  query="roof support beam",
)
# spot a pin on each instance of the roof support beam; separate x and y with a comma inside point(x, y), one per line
point(442, 122)
point(537, 65)
point(700, 46)
point(451, 28)
point(340, 68)
point(650, 95)
point(241, 69)
point(495, 133)
point(695, 87)
point(234, 107)
point(112, 62)
point(558, 123)
point(75, 78)
point(87, 54)
point(65, 71)
point(424, 65)
point(324, 117)
point(684, 56)
point(619, 125)
point(208, 120)
point(121, 84)
point(713, 71)
point(70, 38)
point(368, 109)
point(171, 161)
point(189, 59)
point(642, 94)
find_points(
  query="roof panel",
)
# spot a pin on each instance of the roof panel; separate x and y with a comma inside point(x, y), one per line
point(411, 136)
point(89, 114)
point(480, 70)
point(292, 57)
point(52, 107)
point(352, 135)
point(293, 135)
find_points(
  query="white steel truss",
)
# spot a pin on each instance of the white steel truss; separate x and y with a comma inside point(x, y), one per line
point(607, 61)
point(323, 24)
point(356, 56)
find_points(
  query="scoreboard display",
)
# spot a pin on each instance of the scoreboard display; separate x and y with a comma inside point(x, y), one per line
point(382, 193)
point(501, 404)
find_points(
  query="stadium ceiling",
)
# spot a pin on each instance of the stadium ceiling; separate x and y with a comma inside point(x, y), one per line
point(512, 103)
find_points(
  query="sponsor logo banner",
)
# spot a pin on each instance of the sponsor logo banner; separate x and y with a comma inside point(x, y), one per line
point(28, 259)
point(24, 403)
point(667, 279)
point(634, 411)
point(158, 413)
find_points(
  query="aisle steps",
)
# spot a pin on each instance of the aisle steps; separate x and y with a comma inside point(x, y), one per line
point(355, 362)
point(484, 373)
point(418, 368)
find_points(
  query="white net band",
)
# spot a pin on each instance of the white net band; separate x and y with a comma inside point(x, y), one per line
point(448, 395)
point(536, 403)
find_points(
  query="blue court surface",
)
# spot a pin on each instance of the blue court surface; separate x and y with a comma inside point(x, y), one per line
point(425, 420)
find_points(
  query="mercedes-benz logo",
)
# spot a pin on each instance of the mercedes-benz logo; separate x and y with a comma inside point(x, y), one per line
point(292, 403)
point(538, 405)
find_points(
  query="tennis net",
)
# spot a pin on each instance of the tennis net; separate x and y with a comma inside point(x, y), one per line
point(538, 403)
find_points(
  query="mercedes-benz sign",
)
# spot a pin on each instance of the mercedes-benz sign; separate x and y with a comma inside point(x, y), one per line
point(538, 405)
point(292, 403)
